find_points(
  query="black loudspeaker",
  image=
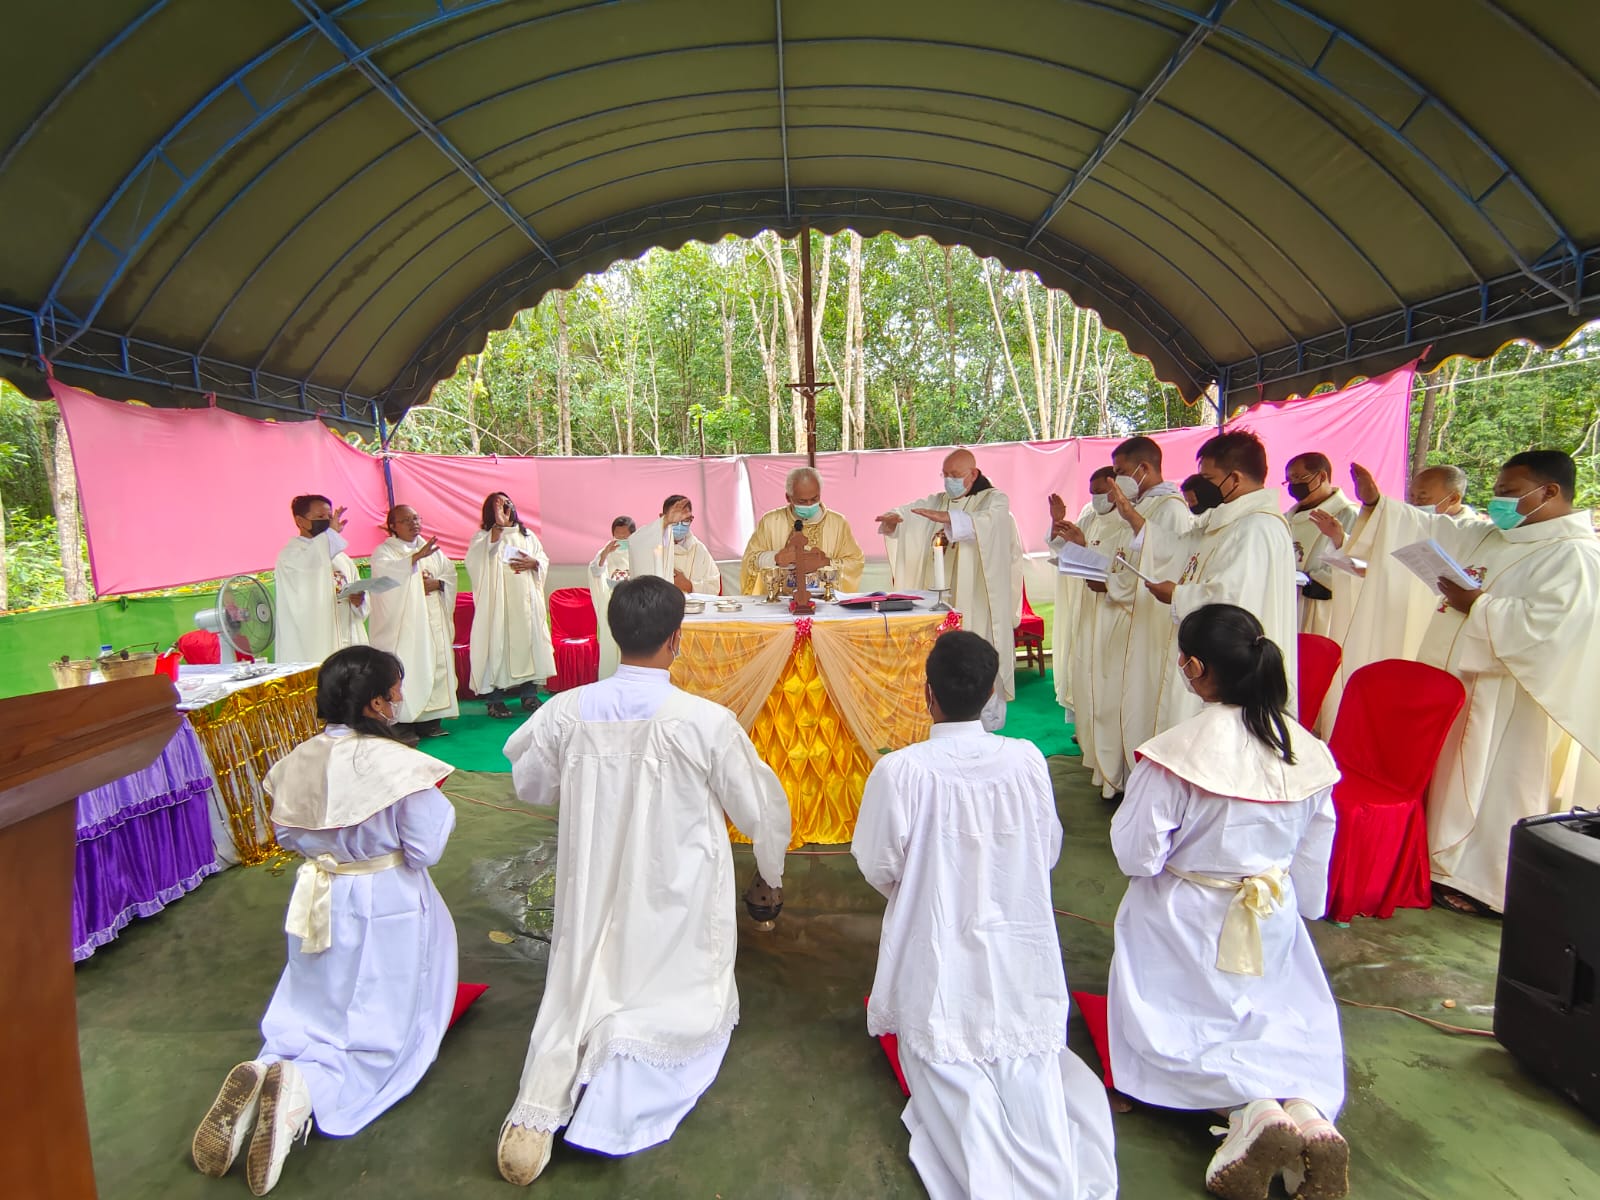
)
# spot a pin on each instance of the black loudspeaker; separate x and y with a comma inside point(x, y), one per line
point(1545, 1010)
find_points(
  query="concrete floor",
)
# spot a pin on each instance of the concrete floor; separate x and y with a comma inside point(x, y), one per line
point(805, 1105)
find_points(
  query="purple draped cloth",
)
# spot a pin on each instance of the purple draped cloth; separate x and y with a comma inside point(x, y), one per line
point(143, 841)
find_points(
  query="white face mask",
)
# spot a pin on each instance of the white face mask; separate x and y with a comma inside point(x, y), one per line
point(392, 716)
point(954, 488)
point(1183, 669)
point(1101, 504)
point(1128, 485)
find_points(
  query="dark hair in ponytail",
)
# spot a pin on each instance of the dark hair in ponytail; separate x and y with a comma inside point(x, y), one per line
point(1246, 667)
point(350, 680)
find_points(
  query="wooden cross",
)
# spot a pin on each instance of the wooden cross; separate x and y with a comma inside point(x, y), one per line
point(805, 558)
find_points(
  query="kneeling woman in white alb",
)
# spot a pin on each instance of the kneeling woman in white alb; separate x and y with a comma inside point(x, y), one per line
point(371, 979)
point(1217, 997)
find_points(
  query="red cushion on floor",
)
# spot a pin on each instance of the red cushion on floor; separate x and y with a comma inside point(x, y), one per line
point(1092, 1009)
point(891, 1050)
point(466, 995)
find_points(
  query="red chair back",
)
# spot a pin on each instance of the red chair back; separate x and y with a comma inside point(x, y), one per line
point(1393, 719)
point(201, 647)
point(1319, 663)
point(572, 614)
point(1031, 625)
point(464, 611)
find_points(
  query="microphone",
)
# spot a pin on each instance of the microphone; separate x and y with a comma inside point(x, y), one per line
point(799, 525)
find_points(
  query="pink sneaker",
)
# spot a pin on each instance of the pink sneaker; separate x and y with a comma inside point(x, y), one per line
point(1323, 1172)
point(285, 1116)
point(1261, 1140)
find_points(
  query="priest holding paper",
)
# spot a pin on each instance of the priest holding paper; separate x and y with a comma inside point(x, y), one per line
point(316, 615)
point(824, 528)
point(1074, 615)
point(415, 620)
point(1525, 641)
point(1309, 479)
point(609, 568)
point(1238, 553)
point(510, 639)
point(981, 566)
point(1095, 649)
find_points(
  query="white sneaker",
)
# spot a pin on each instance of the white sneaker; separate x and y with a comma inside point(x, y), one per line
point(1261, 1140)
point(222, 1132)
point(1323, 1172)
point(523, 1153)
point(285, 1116)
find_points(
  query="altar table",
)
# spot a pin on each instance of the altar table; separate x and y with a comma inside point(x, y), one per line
point(822, 697)
point(142, 842)
point(246, 726)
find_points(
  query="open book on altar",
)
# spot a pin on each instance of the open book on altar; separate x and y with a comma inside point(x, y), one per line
point(1429, 562)
point(870, 600)
point(1080, 562)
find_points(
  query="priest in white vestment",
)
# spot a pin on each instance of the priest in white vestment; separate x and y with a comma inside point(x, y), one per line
point(1526, 645)
point(668, 549)
point(1217, 998)
point(1308, 478)
point(1383, 614)
point(315, 615)
point(370, 983)
point(1238, 553)
point(1093, 653)
point(510, 643)
point(416, 620)
point(639, 998)
point(825, 530)
point(609, 568)
point(981, 566)
point(1070, 590)
point(960, 833)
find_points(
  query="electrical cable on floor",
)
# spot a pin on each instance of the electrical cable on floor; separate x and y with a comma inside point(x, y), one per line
point(1442, 1026)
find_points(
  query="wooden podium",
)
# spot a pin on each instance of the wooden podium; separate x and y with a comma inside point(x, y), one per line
point(56, 746)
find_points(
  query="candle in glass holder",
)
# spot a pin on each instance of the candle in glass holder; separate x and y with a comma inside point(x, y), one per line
point(938, 561)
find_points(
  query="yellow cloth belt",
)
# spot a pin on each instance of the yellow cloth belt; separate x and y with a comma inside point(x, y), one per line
point(310, 915)
point(1255, 898)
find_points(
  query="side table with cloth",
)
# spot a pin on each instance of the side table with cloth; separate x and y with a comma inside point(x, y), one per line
point(245, 726)
point(142, 842)
point(821, 696)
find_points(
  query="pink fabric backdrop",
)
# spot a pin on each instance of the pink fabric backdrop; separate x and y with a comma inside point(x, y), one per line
point(175, 496)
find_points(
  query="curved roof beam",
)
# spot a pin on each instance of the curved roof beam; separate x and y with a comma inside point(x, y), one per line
point(783, 111)
point(1058, 263)
point(1312, 72)
point(362, 61)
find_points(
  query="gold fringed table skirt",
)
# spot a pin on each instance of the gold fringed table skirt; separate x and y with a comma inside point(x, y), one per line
point(244, 734)
point(821, 700)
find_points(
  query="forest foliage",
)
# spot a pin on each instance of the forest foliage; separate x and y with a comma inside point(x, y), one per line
point(693, 350)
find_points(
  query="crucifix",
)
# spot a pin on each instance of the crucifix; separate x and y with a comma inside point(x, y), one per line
point(799, 554)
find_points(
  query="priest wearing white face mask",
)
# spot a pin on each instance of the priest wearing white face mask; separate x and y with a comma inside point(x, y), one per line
point(416, 621)
point(1308, 478)
point(981, 566)
point(668, 549)
point(1525, 643)
point(1092, 642)
point(824, 528)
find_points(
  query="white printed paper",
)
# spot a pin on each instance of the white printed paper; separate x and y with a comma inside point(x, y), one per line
point(1340, 561)
point(1428, 561)
point(1080, 562)
point(375, 586)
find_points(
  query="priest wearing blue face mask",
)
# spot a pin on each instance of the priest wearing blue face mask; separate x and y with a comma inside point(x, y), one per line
point(668, 549)
point(825, 530)
point(1526, 645)
point(979, 564)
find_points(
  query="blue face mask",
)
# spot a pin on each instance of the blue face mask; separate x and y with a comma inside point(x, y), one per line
point(954, 488)
point(807, 512)
point(680, 530)
point(1503, 511)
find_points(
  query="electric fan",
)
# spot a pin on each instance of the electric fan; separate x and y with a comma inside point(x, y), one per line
point(242, 621)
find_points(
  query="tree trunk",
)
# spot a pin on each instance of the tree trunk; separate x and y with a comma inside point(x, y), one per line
point(64, 497)
point(773, 250)
point(858, 349)
point(949, 327)
point(852, 288)
point(474, 389)
point(1039, 383)
point(5, 602)
point(1430, 395)
point(767, 347)
point(563, 376)
point(729, 312)
point(1005, 349)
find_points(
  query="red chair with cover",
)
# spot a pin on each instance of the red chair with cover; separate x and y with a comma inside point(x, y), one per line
point(461, 648)
point(1029, 634)
point(574, 637)
point(202, 647)
point(1392, 723)
point(1319, 662)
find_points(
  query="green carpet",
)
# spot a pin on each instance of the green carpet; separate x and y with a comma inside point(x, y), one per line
point(476, 740)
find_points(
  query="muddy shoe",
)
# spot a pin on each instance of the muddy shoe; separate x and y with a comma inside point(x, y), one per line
point(1261, 1141)
point(498, 710)
point(523, 1154)
point(1323, 1172)
point(763, 901)
point(223, 1132)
